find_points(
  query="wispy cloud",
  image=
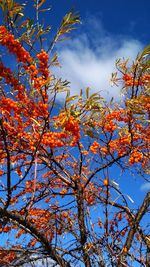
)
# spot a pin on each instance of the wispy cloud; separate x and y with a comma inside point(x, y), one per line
point(40, 262)
point(145, 186)
point(89, 59)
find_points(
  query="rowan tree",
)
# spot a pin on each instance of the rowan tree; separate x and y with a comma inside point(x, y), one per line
point(58, 197)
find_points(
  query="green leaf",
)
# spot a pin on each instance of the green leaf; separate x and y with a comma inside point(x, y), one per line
point(71, 98)
point(146, 51)
point(67, 24)
point(54, 61)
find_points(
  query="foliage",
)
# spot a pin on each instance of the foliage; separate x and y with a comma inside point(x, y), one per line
point(58, 197)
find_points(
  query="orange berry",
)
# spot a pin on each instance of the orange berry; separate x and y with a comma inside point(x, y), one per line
point(106, 182)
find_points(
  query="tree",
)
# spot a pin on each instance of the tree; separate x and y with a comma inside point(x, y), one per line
point(58, 197)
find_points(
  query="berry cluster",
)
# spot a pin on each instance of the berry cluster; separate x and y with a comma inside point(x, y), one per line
point(129, 80)
point(43, 63)
point(14, 46)
point(94, 147)
point(72, 126)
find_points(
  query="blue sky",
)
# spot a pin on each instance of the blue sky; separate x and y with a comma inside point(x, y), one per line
point(108, 30)
point(126, 17)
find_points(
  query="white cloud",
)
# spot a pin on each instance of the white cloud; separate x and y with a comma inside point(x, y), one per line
point(145, 187)
point(89, 59)
point(40, 263)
